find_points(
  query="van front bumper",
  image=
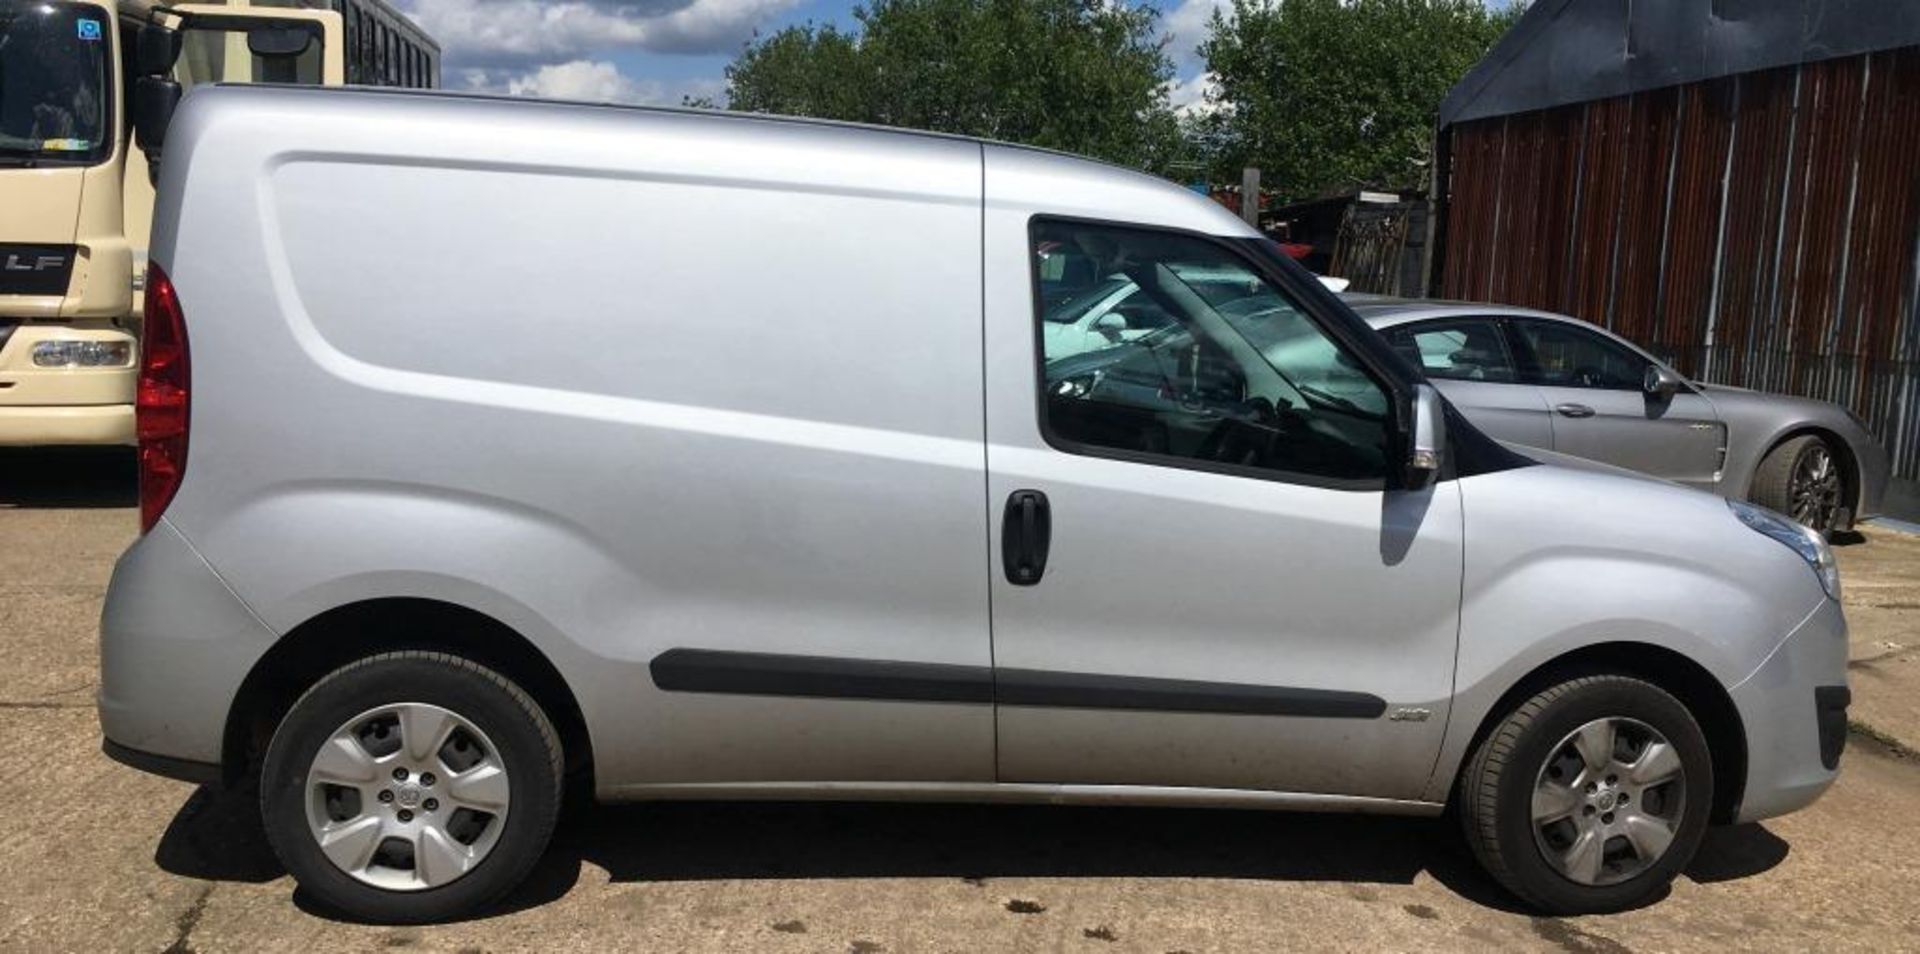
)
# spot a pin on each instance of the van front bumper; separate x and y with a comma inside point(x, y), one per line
point(51, 426)
point(1794, 711)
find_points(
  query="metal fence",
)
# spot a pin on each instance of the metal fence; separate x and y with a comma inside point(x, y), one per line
point(1760, 230)
point(1379, 246)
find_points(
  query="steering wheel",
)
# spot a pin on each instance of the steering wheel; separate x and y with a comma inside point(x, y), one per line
point(1245, 438)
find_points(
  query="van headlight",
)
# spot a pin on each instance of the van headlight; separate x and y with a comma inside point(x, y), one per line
point(82, 354)
point(1802, 540)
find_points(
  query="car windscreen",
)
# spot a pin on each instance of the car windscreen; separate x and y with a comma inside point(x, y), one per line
point(55, 61)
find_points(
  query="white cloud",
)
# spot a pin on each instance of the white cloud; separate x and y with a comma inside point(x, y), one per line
point(595, 81)
point(1193, 96)
point(1185, 27)
point(581, 79)
point(496, 33)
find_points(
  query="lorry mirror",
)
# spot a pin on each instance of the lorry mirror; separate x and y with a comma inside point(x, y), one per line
point(274, 42)
point(154, 100)
point(156, 49)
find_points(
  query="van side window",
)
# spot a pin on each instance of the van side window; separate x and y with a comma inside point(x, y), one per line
point(1222, 372)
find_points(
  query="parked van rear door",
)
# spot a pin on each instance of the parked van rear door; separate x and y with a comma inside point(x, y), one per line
point(1200, 579)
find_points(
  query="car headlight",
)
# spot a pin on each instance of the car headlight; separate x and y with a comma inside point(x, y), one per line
point(82, 354)
point(1805, 541)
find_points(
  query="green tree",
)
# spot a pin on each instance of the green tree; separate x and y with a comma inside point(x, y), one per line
point(1085, 76)
point(1330, 95)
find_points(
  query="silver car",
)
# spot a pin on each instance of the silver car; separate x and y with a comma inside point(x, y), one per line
point(1547, 380)
point(492, 447)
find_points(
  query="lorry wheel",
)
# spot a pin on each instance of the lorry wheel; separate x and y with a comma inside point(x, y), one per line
point(1590, 796)
point(411, 787)
point(1801, 478)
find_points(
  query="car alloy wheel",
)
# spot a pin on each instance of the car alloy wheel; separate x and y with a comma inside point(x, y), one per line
point(407, 797)
point(1608, 801)
point(1814, 489)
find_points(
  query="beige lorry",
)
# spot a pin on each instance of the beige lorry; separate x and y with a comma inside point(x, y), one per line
point(76, 197)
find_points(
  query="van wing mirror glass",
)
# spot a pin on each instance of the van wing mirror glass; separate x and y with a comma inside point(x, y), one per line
point(1427, 444)
point(273, 42)
point(156, 49)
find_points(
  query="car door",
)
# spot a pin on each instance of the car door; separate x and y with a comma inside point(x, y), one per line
point(1602, 410)
point(1242, 606)
point(1471, 363)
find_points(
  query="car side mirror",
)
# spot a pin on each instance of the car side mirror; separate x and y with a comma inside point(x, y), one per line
point(1110, 325)
point(272, 42)
point(1427, 437)
point(1661, 382)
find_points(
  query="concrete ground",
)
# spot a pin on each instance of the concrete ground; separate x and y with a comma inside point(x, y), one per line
point(95, 856)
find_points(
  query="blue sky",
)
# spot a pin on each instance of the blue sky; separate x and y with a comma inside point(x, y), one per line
point(657, 51)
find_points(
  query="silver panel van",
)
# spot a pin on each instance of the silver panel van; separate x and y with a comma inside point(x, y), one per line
point(493, 447)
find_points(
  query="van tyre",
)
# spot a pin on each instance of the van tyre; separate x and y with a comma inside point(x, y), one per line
point(1590, 796)
point(1802, 479)
point(411, 787)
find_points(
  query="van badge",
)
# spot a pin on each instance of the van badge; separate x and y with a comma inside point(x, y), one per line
point(1409, 714)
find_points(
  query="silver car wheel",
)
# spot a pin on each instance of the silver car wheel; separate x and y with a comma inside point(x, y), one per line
point(407, 797)
point(1814, 488)
point(1608, 800)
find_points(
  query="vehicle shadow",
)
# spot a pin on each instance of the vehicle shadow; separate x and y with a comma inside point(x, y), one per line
point(67, 477)
point(217, 836)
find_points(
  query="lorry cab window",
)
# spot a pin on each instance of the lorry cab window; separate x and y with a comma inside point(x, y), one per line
point(53, 82)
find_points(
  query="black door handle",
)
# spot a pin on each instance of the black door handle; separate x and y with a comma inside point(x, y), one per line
point(1574, 410)
point(1025, 532)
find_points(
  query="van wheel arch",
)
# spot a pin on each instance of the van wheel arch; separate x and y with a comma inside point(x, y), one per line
point(1679, 676)
point(354, 631)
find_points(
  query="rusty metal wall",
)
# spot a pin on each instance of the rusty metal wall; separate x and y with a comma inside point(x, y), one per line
point(1760, 230)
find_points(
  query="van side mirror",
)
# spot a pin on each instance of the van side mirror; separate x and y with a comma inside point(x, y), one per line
point(1662, 383)
point(1427, 437)
point(274, 42)
point(154, 100)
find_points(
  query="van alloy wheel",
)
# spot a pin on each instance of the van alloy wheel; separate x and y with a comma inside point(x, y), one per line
point(1608, 800)
point(407, 797)
point(1589, 796)
point(411, 786)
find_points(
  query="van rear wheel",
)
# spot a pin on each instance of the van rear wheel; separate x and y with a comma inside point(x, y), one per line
point(411, 787)
point(1590, 796)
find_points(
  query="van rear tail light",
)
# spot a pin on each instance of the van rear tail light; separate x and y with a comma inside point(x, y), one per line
point(160, 409)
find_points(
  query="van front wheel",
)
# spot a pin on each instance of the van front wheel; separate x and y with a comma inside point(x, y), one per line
point(1590, 796)
point(411, 787)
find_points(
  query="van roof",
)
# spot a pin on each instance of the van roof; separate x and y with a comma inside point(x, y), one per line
point(720, 114)
point(807, 154)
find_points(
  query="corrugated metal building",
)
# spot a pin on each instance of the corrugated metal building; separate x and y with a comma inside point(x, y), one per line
point(1734, 184)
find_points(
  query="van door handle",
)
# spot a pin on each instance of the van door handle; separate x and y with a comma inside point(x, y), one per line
point(1573, 410)
point(1026, 530)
